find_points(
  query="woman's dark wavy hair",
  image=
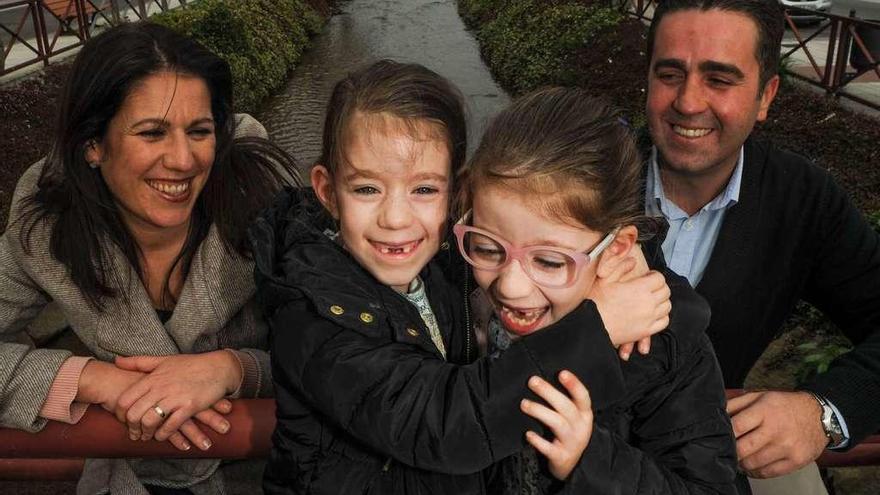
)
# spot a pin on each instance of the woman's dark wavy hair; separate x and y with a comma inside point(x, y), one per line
point(246, 173)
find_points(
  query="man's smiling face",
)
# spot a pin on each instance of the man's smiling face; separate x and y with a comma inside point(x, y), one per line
point(704, 93)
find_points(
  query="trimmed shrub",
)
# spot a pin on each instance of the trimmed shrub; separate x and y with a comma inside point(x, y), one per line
point(477, 12)
point(260, 39)
point(532, 43)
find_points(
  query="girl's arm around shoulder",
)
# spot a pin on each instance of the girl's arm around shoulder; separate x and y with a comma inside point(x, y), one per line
point(681, 440)
point(408, 403)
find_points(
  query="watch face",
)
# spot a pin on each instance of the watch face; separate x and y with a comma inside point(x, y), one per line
point(831, 425)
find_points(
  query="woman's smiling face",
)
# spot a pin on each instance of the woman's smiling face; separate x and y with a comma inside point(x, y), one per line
point(522, 305)
point(158, 150)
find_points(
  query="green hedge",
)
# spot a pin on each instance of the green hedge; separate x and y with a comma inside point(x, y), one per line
point(530, 43)
point(261, 39)
point(475, 12)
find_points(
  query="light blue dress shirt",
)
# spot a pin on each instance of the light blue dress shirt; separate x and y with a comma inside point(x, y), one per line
point(691, 239)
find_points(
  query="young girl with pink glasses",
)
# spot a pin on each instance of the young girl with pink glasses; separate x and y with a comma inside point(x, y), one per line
point(552, 203)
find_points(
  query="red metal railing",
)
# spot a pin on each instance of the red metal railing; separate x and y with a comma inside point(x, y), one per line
point(845, 41)
point(57, 451)
point(40, 29)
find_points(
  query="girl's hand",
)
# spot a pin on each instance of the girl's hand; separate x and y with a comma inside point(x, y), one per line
point(570, 419)
point(181, 386)
point(634, 303)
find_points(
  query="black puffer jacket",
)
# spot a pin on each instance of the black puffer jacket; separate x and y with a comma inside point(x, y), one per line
point(365, 402)
point(669, 434)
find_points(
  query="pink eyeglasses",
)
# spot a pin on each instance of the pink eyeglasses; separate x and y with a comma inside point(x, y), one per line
point(548, 266)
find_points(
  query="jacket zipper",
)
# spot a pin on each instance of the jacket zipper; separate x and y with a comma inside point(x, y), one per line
point(467, 315)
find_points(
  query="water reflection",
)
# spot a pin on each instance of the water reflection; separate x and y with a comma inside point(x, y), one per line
point(428, 32)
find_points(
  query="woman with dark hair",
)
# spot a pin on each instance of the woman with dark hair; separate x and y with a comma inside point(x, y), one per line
point(134, 225)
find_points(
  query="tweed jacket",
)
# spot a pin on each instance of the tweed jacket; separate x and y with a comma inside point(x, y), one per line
point(214, 311)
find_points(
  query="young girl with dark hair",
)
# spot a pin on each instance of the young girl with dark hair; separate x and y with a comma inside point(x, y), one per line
point(378, 385)
point(551, 206)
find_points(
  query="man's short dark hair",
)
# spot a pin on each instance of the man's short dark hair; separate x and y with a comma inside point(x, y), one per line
point(768, 16)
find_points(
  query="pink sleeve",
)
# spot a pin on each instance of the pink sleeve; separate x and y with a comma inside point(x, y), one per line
point(60, 405)
point(250, 375)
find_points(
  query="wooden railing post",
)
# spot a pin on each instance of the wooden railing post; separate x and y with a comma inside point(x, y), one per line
point(829, 57)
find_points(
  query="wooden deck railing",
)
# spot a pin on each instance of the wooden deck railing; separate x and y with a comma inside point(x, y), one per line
point(56, 452)
point(40, 29)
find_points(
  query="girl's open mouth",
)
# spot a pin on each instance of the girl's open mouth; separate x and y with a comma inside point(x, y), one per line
point(522, 321)
point(396, 251)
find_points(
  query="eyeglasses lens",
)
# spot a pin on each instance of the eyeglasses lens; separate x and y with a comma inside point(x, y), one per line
point(546, 267)
point(483, 251)
point(551, 268)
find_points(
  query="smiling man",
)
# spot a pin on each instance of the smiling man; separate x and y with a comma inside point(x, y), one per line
point(755, 229)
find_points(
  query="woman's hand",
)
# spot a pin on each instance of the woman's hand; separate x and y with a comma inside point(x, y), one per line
point(570, 419)
point(180, 386)
point(634, 303)
point(102, 383)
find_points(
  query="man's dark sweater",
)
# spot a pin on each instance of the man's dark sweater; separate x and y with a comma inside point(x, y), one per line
point(794, 234)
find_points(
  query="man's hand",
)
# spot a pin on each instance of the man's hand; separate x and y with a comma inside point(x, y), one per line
point(776, 432)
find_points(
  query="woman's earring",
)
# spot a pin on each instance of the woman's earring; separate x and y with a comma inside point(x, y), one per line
point(90, 147)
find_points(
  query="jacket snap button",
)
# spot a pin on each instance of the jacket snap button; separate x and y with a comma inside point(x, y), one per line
point(366, 318)
point(336, 310)
point(413, 332)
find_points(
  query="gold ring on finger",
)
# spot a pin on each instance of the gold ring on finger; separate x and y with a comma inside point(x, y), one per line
point(159, 411)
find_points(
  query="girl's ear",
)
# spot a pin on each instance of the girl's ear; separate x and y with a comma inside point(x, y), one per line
point(322, 183)
point(618, 251)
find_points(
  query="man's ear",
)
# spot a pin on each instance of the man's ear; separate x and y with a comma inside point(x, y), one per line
point(322, 183)
point(618, 251)
point(767, 97)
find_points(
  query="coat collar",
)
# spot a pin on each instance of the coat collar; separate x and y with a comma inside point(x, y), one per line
point(217, 285)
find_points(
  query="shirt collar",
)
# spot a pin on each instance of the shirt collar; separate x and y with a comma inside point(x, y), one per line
point(660, 203)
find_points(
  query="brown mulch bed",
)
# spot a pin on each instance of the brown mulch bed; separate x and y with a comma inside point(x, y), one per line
point(615, 67)
point(28, 107)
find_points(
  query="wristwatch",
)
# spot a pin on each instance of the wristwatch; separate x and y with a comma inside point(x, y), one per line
point(830, 423)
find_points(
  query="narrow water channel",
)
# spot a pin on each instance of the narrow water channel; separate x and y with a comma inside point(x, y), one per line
point(428, 32)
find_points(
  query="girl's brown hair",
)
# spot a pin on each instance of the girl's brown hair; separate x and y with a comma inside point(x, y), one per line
point(569, 151)
point(409, 92)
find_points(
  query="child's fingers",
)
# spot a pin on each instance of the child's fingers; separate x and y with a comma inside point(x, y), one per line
point(544, 414)
point(625, 266)
point(557, 400)
point(659, 325)
point(656, 282)
point(576, 389)
point(662, 292)
point(542, 445)
point(625, 351)
point(645, 346)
